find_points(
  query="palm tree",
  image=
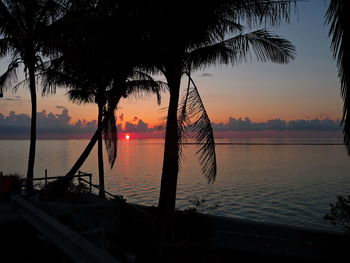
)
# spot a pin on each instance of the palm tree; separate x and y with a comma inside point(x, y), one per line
point(132, 84)
point(97, 94)
point(88, 75)
point(100, 94)
point(99, 68)
point(23, 24)
point(339, 32)
point(195, 40)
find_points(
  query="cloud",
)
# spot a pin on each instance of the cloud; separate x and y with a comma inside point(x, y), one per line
point(317, 124)
point(140, 127)
point(206, 75)
point(51, 125)
point(121, 117)
point(134, 119)
point(47, 123)
point(60, 107)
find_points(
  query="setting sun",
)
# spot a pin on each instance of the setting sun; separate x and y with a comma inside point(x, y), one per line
point(127, 137)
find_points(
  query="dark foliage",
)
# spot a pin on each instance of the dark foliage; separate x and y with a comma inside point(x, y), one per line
point(340, 213)
point(337, 18)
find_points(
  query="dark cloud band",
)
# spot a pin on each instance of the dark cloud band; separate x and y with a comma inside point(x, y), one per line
point(278, 125)
point(50, 123)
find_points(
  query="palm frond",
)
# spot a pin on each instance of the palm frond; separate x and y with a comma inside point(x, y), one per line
point(53, 74)
point(337, 18)
point(9, 78)
point(111, 139)
point(80, 96)
point(139, 88)
point(231, 27)
point(50, 9)
point(22, 84)
point(183, 120)
point(265, 45)
point(262, 12)
point(4, 47)
point(194, 118)
point(8, 23)
point(141, 75)
point(161, 125)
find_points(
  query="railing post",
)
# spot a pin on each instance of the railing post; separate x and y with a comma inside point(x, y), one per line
point(45, 178)
point(79, 178)
point(90, 182)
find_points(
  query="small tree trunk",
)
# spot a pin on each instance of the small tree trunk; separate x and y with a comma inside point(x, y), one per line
point(59, 186)
point(170, 171)
point(100, 153)
point(32, 146)
point(85, 154)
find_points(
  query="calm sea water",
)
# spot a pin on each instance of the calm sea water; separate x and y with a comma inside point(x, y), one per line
point(288, 181)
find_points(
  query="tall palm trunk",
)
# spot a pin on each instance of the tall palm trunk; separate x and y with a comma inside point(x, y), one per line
point(31, 159)
point(100, 152)
point(170, 171)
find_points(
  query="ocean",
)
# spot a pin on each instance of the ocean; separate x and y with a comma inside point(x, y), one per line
point(285, 181)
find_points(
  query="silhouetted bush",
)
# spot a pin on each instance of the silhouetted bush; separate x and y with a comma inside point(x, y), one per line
point(71, 193)
point(340, 213)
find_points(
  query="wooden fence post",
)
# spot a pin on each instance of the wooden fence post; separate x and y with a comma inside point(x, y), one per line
point(45, 178)
point(79, 178)
point(90, 182)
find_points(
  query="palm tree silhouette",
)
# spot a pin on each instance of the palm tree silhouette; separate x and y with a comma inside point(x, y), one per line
point(337, 18)
point(23, 25)
point(97, 67)
point(193, 41)
point(106, 95)
point(88, 93)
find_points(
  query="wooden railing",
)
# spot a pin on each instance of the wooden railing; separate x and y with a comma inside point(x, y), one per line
point(99, 188)
point(79, 176)
point(118, 197)
point(77, 248)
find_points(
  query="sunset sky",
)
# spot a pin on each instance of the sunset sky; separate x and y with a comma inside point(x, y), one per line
point(307, 88)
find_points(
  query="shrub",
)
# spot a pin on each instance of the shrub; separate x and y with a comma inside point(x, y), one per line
point(340, 213)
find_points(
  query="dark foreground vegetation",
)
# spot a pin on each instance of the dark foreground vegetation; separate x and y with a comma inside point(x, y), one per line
point(129, 233)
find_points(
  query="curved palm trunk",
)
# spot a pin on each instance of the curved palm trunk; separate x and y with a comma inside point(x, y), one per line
point(100, 153)
point(84, 155)
point(62, 184)
point(31, 159)
point(170, 171)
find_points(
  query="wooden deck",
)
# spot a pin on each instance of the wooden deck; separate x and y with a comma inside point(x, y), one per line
point(71, 243)
point(7, 213)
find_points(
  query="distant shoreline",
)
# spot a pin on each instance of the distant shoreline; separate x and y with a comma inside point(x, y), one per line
point(217, 143)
